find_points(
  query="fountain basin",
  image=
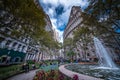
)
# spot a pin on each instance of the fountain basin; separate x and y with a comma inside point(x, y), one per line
point(95, 71)
point(71, 74)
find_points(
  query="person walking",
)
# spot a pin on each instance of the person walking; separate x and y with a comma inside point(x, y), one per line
point(27, 67)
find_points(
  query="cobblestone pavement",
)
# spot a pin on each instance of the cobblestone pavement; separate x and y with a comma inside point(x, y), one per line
point(24, 76)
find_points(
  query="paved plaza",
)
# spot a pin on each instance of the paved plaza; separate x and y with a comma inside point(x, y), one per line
point(24, 76)
point(30, 75)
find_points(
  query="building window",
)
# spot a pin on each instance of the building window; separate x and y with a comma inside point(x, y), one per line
point(8, 42)
point(23, 48)
point(88, 54)
point(14, 44)
point(19, 46)
point(74, 11)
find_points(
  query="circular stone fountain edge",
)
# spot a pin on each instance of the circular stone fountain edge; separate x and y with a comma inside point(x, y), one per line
point(71, 74)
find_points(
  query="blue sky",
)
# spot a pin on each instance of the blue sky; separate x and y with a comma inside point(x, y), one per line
point(59, 11)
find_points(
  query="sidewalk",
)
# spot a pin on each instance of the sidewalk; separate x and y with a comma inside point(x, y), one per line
point(24, 76)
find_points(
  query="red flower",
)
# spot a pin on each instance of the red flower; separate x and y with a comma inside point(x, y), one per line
point(75, 77)
point(61, 77)
point(50, 79)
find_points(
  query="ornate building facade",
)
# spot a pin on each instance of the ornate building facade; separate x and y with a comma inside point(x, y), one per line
point(74, 21)
point(85, 50)
point(13, 49)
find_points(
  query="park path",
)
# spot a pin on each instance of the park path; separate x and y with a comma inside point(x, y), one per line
point(29, 75)
point(24, 76)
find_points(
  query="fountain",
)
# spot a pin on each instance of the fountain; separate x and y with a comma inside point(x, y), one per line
point(105, 59)
point(106, 69)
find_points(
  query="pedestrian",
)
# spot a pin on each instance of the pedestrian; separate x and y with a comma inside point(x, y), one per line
point(33, 66)
point(27, 67)
point(23, 66)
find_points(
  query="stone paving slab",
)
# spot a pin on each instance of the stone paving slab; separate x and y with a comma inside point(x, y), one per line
point(24, 76)
point(71, 74)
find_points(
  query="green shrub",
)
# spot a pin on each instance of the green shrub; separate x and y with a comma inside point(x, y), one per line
point(30, 61)
point(9, 71)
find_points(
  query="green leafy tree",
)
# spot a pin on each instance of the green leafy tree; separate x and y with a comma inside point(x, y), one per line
point(106, 16)
point(82, 35)
point(70, 54)
point(24, 13)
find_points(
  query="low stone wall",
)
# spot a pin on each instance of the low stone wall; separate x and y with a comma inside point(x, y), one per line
point(71, 74)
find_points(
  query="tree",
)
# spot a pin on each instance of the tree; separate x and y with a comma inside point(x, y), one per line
point(68, 45)
point(82, 35)
point(25, 14)
point(26, 20)
point(106, 14)
point(70, 54)
point(68, 42)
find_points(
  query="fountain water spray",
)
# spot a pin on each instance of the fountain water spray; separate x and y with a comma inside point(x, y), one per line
point(105, 59)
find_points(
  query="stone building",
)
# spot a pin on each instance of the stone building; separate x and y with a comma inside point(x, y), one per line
point(18, 49)
point(76, 22)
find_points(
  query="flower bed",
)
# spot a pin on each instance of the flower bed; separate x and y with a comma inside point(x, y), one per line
point(50, 75)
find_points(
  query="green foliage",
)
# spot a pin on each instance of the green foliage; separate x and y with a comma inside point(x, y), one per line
point(31, 18)
point(48, 40)
point(30, 62)
point(68, 42)
point(105, 11)
point(101, 16)
point(15, 32)
point(80, 33)
point(24, 13)
point(26, 10)
point(9, 71)
point(70, 53)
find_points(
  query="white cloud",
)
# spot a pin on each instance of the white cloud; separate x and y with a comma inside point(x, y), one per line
point(53, 2)
point(70, 3)
point(63, 18)
point(54, 21)
point(60, 24)
point(59, 37)
point(51, 12)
